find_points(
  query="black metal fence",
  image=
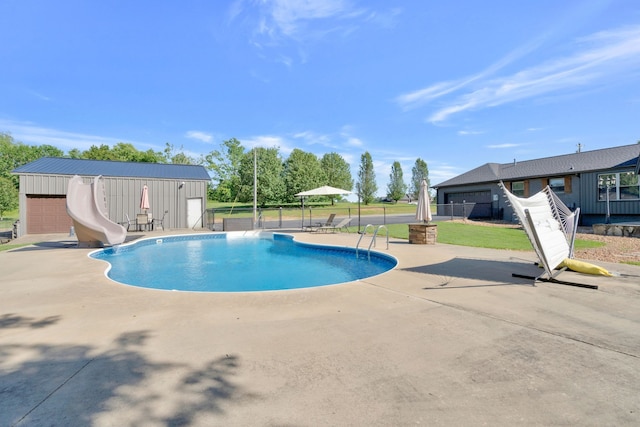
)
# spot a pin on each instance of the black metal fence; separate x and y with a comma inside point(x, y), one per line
point(295, 218)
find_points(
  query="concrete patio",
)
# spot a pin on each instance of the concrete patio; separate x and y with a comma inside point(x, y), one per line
point(447, 338)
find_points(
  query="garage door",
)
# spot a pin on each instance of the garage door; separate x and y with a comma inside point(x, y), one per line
point(47, 214)
point(481, 200)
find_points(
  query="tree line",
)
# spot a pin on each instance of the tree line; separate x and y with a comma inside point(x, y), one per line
point(232, 169)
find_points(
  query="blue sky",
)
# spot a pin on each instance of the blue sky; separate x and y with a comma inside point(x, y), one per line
point(456, 83)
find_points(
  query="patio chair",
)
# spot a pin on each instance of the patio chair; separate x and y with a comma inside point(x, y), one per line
point(337, 227)
point(327, 223)
point(128, 223)
point(160, 221)
point(143, 220)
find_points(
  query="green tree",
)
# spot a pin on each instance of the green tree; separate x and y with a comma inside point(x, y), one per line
point(270, 188)
point(177, 157)
point(419, 172)
point(367, 186)
point(103, 152)
point(302, 172)
point(150, 156)
point(225, 166)
point(337, 172)
point(14, 154)
point(121, 152)
point(7, 159)
point(396, 189)
point(8, 196)
point(124, 152)
point(75, 153)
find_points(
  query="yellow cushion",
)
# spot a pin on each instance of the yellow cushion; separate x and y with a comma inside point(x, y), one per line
point(583, 267)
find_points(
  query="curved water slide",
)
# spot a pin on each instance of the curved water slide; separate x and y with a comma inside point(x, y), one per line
point(86, 205)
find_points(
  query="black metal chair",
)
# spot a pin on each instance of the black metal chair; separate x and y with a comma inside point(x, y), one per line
point(160, 221)
point(126, 223)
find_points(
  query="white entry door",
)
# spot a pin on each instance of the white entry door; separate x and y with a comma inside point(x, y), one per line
point(194, 213)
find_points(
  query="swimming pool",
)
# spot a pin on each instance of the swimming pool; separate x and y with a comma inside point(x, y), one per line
point(237, 262)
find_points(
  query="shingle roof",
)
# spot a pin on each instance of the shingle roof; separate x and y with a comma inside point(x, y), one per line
point(66, 166)
point(585, 161)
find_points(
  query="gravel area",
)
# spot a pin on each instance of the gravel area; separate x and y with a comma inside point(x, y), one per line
point(617, 249)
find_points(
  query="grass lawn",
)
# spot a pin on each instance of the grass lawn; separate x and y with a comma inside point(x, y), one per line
point(455, 233)
point(224, 210)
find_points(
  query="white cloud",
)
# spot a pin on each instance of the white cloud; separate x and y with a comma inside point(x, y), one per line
point(274, 23)
point(506, 145)
point(423, 96)
point(32, 134)
point(200, 136)
point(387, 19)
point(39, 95)
point(269, 141)
point(419, 97)
point(470, 132)
point(601, 58)
point(288, 15)
point(313, 138)
point(440, 173)
point(354, 142)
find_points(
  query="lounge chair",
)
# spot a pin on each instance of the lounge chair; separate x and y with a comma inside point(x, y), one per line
point(327, 223)
point(337, 227)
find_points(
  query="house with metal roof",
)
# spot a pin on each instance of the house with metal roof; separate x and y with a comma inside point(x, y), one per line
point(602, 183)
point(177, 193)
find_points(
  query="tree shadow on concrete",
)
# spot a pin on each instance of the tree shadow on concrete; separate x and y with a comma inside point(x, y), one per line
point(58, 384)
point(12, 320)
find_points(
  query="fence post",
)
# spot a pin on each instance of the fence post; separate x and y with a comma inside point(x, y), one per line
point(451, 202)
point(280, 218)
point(464, 209)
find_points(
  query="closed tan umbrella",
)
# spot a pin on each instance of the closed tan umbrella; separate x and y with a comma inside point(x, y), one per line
point(423, 210)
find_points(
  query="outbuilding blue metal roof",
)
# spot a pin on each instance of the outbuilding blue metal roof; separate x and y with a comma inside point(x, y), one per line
point(66, 166)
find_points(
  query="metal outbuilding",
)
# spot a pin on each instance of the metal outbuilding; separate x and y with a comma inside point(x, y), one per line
point(177, 192)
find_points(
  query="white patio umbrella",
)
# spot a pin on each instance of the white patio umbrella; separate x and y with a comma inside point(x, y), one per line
point(325, 190)
point(423, 210)
point(144, 198)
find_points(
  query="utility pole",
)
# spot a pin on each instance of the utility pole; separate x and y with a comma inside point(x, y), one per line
point(255, 185)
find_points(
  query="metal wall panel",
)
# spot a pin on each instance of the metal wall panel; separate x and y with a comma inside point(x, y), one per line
point(592, 206)
point(123, 196)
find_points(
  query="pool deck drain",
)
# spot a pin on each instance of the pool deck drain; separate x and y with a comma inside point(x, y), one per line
point(447, 338)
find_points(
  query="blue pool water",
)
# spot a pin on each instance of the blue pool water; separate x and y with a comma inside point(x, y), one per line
point(228, 263)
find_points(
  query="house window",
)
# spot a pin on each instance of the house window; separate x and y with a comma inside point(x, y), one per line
point(557, 185)
point(517, 188)
point(629, 186)
point(620, 186)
